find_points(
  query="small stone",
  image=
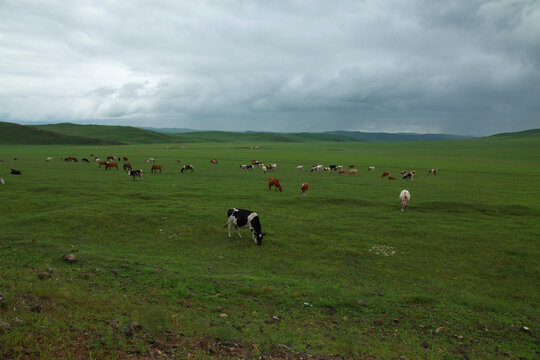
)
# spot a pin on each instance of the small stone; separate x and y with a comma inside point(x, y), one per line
point(70, 258)
point(402, 358)
point(35, 307)
point(525, 329)
point(4, 326)
point(115, 271)
point(378, 322)
point(219, 308)
point(128, 331)
point(440, 329)
point(223, 315)
point(136, 325)
point(425, 345)
point(43, 275)
point(19, 320)
point(361, 302)
point(275, 318)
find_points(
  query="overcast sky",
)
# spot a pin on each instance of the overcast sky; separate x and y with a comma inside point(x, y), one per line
point(461, 67)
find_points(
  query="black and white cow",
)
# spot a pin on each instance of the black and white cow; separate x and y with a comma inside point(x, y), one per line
point(241, 218)
point(134, 173)
point(246, 167)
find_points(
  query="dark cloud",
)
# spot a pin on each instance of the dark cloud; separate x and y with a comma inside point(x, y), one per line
point(466, 67)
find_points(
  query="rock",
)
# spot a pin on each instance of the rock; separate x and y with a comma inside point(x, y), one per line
point(35, 307)
point(525, 329)
point(69, 258)
point(425, 345)
point(361, 302)
point(115, 271)
point(4, 326)
point(135, 325)
point(378, 322)
point(128, 331)
point(223, 315)
point(44, 275)
point(402, 358)
point(19, 320)
point(440, 329)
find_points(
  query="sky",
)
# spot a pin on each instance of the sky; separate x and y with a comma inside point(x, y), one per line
point(459, 67)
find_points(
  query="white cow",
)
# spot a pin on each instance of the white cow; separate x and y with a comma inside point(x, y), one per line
point(48, 159)
point(405, 197)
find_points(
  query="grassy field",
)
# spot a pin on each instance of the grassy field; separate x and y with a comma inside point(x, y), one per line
point(342, 272)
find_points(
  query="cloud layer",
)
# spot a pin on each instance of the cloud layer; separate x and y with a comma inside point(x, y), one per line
point(463, 67)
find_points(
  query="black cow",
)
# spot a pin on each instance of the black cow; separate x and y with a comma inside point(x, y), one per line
point(85, 160)
point(134, 173)
point(333, 167)
point(241, 218)
point(16, 172)
point(246, 167)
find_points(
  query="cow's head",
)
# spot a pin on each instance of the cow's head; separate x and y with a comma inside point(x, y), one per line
point(258, 237)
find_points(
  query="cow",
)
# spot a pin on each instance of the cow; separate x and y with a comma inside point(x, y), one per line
point(86, 160)
point(178, 161)
point(433, 171)
point(97, 159)
point(110, 165)
point(339, 167)
point(16, 172)
point(352, 166)
point(326, 169)
point(391, 178)
point(155, 168)
point(316, 168)
point(150, 160)
point(405, 197)
point(352, 172)
point(332, 167)
point(246, 167)
point(124, 158)
point(2, 181)
point(127, 166)
point(135, 173)
point(408, 176)
point(110, 157)
point(300, 167)
point(187, 167)
point(371, 168)
point(270, 166)
point(241, 218)
point(48, 159)
point(103, 163)
point(264, 169)
point(274, 182)
point(385, 174)
point(213, 161)
point(304, 188)
point(341, 172)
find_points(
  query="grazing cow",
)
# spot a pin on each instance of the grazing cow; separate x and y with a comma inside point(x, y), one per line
point(274, 182)
point(403, 172)
point(86, 160)
point(300, 167)
point(326, 169)
point(97, 159)
point(433, 171)
point(135, 173)
point(352, 172)
point(304, 188)
point(48, 159)
point(93, 155)
point(405, 197)
point(317, 168)
point(110, 157)
point(213, 161)
point(150, 160)
point(103, 163)
point(155, 168)
point(110, 165)
point(341, 172)
point(124, 158)
point(241, 218)
point(408, 176)
point(385, 174)
point(270, 166)
point(264, 169)
point(16, 172)
point(70, 158)
point(339, 167)
point(332, 167)
point(187, 167)
point(2, 181)
point(254, 162)
point(246, 167)
point(371, 168)
point(391, 178)
point(127, 166)
point(351, 166)
point(178, 161)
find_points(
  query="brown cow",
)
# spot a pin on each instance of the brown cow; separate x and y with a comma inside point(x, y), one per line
point(213, 161)
point(110, 157)
point(304, 188)
point(127, 166)
point(124, 158)
point(391, 178)
point(110, 165)
point(341, 172)
point(385, 174)
point(103, 163)
point(155, 168)
point(352, 172)
point(274, 182)
point(433, 171)
point(178, 161)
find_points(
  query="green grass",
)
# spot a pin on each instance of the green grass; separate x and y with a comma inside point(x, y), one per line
point(466, 252)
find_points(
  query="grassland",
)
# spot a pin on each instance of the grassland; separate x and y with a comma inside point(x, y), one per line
point(462, 283)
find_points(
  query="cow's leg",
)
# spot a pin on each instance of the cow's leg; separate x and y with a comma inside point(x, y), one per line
point(238, 230)
point(229, 224)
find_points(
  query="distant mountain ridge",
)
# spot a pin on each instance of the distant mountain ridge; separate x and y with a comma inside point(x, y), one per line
point(75, 134)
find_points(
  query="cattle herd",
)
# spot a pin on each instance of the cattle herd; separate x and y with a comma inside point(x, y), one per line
point(242, 218)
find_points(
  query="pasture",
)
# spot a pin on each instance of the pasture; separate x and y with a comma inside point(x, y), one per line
point(342, 272)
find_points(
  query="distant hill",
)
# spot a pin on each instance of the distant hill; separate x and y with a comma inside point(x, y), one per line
point(520, 134)
point(116, 134)
point(169, 130)
point(254, 137)
point(11, 133)
point(381, 136)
